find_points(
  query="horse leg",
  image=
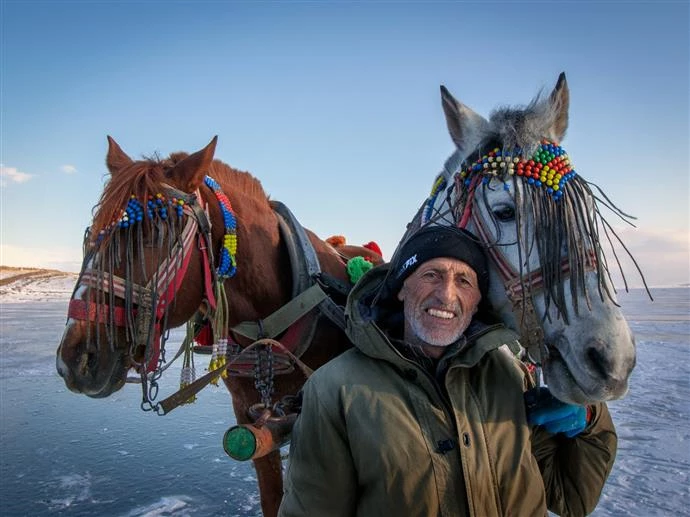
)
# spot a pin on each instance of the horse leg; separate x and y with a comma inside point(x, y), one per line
point(269, 473)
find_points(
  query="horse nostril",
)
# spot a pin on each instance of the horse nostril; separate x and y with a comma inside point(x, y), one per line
point(87, 361)
point(599, 362)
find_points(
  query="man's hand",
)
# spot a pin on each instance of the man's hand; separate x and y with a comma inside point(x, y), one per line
point(553, 415)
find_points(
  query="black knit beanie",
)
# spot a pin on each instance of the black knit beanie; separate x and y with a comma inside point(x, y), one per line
point(434, 242)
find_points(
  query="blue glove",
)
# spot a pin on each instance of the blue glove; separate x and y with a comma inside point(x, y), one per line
point(553, 415)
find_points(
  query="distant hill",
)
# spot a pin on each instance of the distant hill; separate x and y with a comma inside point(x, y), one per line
point(22, 284)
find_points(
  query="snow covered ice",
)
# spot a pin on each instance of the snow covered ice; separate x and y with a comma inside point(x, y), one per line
point(66, 454)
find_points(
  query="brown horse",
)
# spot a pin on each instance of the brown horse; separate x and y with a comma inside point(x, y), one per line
point(163, 232)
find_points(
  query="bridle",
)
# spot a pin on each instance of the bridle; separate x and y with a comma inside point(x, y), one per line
point(520, 287)
point(144, 307)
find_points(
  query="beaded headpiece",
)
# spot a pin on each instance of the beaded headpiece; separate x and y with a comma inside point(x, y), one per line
point(159, 207)
point(549, 168)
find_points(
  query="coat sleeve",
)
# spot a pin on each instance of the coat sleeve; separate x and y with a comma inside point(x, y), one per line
point(574, 470)
point(320, 478)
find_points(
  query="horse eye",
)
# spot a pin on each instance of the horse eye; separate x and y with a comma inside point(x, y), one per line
point(504, 213)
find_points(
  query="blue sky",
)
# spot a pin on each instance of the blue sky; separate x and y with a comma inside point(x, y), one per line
point(335, 106)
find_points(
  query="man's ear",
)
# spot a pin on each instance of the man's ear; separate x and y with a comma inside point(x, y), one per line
point(401, 293)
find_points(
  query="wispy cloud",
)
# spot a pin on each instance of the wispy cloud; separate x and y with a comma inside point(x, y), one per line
point(68, 169)
point(12, 175)
point(663, 255)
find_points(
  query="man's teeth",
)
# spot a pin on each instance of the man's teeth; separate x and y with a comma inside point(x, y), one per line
point(440, 314)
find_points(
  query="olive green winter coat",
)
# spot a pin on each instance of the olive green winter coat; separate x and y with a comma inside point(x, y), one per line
point(379, 436)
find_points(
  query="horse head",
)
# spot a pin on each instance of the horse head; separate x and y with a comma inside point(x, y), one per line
point(512, 184)
point(146, 237)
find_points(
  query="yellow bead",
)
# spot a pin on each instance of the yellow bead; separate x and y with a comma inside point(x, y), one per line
point(556, 187)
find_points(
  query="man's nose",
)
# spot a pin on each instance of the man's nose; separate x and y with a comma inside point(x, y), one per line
point(446, 291)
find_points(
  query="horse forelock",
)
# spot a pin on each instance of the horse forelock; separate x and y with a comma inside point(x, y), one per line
point(522, 127)
point(140, 179)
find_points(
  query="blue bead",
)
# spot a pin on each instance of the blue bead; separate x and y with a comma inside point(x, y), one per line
point(530, 181)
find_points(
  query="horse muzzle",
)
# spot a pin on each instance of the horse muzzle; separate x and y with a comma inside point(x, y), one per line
point(87, 367)
point(592, 374)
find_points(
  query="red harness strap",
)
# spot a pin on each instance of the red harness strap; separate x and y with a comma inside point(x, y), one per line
point(81, 310)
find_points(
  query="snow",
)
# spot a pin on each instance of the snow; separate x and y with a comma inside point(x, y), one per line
point(651, 475)
point(20, 285)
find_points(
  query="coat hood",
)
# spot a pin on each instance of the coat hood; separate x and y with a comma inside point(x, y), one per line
point(374, 315)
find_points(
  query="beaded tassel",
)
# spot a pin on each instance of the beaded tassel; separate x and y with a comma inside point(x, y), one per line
point(227, 265)
point(439, 184)
point(220, 334)
point(188, 374)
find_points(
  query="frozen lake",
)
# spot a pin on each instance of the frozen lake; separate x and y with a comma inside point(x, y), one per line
point(65, 454)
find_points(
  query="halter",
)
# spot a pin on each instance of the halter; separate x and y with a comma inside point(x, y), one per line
point(548, 169)
point(145, 322)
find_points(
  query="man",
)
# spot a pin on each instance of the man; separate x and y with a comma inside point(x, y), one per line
point(426, 415)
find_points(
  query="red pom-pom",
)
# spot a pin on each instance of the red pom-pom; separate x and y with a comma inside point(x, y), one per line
point(373, 247)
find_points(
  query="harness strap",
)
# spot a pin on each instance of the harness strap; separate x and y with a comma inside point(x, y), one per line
point(281, 319)
point(91, 311)
point(184, 394)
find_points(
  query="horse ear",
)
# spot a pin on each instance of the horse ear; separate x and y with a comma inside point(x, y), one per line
point(116, 159)
point(560, 100)
point(191, 171)
point(466, 127)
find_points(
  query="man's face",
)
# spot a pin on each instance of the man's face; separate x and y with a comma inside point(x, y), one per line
point(439, 299)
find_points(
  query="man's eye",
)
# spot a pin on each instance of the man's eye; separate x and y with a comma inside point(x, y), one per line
point(465, 282)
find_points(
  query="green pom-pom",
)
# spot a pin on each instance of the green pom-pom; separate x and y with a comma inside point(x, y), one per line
point(356, 267)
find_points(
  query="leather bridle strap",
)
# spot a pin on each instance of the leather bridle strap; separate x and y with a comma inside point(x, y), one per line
point(520, 289)
point(531, 330)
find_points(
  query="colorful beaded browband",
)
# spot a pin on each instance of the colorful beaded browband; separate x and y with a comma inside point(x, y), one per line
point(549, 168)
point(158, 206)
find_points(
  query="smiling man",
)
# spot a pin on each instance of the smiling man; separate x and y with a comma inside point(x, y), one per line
point(426, 415)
